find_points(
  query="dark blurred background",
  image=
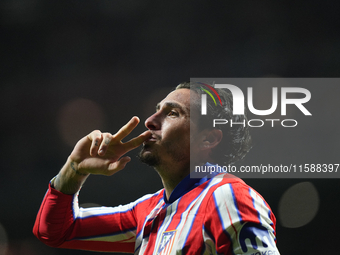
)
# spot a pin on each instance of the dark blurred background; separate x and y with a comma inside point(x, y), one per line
point(68, 67)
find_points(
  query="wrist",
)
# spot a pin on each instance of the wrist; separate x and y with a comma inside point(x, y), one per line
point(74, 167)
point(69, 180)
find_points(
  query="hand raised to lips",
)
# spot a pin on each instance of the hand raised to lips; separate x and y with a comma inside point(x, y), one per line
point(104, 153)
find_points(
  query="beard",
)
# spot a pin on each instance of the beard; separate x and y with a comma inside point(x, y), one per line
point(150, 159)
point(153, 158)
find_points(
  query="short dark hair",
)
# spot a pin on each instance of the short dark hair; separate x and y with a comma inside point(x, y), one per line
point(236, 141)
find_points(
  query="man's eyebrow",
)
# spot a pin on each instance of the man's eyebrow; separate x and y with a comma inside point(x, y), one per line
point(169, 104)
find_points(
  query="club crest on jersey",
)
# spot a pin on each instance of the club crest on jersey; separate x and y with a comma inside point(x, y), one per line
point(166, 242)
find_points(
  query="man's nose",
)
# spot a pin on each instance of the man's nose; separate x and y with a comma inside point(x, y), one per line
point(153, 122)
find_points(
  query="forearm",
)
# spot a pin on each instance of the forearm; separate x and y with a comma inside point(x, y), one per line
point(54, 218)
point(61, 223)
point(69, 180)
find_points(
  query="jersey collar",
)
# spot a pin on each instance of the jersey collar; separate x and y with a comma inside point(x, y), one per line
point(185, 186)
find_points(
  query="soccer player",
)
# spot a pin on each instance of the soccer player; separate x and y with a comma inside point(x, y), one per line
point(218, 215)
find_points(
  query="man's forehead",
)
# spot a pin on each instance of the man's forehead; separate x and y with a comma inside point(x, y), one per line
point(179, 97)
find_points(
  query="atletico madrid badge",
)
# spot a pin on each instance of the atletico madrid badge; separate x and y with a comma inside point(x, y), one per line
point(166, 243)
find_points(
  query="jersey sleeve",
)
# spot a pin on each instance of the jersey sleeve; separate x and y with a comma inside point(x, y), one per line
point(61, 223)
point(239, 221)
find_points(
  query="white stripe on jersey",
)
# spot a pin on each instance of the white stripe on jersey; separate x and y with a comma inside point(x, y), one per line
point(170, 212)
point(140, 242)
point(84, 213)
point(184, 227)
point(225, 206)
point(261, 207)
point(75, 205)
point(210, 247)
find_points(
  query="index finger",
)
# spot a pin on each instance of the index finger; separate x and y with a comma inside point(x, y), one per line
point(127, 128)
point(137, 141)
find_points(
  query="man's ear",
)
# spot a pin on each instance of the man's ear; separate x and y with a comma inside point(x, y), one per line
point(211, 138)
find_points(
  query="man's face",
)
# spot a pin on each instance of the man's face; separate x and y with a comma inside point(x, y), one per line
point(170, 128)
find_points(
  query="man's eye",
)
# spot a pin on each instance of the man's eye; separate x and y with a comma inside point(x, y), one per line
point(172, 113)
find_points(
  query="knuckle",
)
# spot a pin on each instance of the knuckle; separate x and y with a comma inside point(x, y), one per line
point(107, 139)
point(107, 134)
point(96, 132)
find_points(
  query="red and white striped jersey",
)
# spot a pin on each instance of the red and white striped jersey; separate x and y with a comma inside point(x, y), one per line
point(221, 215)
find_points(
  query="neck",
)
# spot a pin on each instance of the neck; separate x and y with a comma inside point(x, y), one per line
point(171, 177)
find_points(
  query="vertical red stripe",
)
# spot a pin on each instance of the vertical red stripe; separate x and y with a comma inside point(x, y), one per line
point(244, 203)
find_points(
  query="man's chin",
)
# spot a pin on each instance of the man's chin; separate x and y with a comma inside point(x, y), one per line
point(148, 157)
